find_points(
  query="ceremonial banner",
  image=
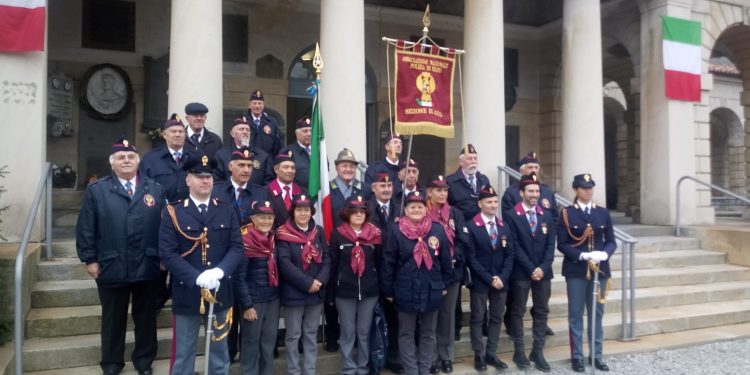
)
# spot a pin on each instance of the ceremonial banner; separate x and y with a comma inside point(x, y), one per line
point(424, 93)
point(22, 25)
point(682, 59)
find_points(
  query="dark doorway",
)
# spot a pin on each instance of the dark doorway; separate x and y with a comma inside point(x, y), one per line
point(95, 140)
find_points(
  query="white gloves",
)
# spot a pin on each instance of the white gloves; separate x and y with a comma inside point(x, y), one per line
point(209, 279)
point(596, 256)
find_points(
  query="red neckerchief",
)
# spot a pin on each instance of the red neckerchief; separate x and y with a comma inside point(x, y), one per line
point(258, 245)
point(276, 188)
point(310, 252)
point(370, 235)
point(417, 232)
point(442, 215)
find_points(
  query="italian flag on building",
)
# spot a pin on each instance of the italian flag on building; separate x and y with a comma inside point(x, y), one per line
point(682, 59)
point(319, 188)
point(22, 25)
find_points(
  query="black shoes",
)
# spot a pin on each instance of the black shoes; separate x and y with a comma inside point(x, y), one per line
point(146, 372)
point(519, 358)
point(495, 362)
point(395, 368)
point(479, 364)
point(549, 332)
point(577, 365)
point(537, 356)
point(600, 365)
point(434, 369)
point(332, 347)
point(458, 336)
point(446, 367)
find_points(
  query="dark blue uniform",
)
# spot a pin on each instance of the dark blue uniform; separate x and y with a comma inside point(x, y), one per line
point(159, 165)
point(265, 136)
point(120, 234)
point(251, 195)
point(547, 200)
point(377, 218)
point(462, 196)
point(301, 163)
point(262, 165)
point(531, 250)
point(382, 166)
point(486, 261)
point(338, 201)
point(579, 287)
point(224, 250)
point(209, 143)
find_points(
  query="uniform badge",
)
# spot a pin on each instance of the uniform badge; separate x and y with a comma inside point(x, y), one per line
point(544, 228)
point(256, 164)
point(243, 230)
point(545, 203)
point(452, 224)
point(433, 242)
point(505, 241)
point(267, 129)
point(149, 200)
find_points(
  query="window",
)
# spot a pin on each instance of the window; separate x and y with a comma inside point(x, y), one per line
point(234, 38)
point(108, 25)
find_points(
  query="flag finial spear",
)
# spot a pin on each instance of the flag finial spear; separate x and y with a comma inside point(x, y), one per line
point(426, 21)
point(317, 61)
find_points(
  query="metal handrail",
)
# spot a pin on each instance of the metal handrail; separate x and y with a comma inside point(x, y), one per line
point(627, 259)
point(678, 227)
point(44, 185)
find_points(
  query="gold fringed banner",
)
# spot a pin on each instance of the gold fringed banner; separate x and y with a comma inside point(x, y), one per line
point(424, 93)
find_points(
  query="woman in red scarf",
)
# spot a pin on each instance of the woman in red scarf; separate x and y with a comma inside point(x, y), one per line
point(256, 283)
point(452, 221)
point(355, 256)
point(415, 272)
point(304, 266)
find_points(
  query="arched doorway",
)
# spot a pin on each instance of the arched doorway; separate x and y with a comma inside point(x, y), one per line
point(727, 152)
point(299, 102)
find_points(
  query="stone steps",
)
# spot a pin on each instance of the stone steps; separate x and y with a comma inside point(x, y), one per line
point(83, 350)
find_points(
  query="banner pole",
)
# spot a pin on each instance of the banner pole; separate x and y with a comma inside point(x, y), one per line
point(408, 160)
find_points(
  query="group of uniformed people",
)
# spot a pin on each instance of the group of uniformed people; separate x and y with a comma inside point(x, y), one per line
point(232, 226)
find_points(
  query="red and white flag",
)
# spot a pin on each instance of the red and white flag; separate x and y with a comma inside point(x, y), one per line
point(22, 25)
point(682, 58)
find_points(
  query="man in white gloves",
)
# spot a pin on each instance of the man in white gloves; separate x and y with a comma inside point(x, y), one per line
point(200, 243)
point(585, 235)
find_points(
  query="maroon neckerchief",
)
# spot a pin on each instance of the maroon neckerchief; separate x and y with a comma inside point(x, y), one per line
point(310, 252)
point(258, 245)
point(442, 215)
point(417, 232)
point(370, 235)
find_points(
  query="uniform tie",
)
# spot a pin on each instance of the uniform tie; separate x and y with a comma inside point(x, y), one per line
point(238, 195)
point(203, 208)
point(257, 124)
point(588, 210)
point(532, 220)
point(384, 211)
point(493, 233)
point(287, 197)
point(177, 156)
point(473, 183)
point(129, 189)
point(195, 138)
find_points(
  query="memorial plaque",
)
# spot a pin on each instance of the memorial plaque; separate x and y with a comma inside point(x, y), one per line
point(60, 105)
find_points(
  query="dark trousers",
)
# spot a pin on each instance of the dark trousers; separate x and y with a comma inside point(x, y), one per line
point(391, 320)
point(332, 330)
point(234, 338)
point(459, 311)
point(540, 294)
point(115, 302)
point(478, 305)
point(580, 292)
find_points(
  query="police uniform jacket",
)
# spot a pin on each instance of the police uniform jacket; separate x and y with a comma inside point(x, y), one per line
point(251, 285)
point(301, 163)
point(250, 195)
point(295, 282)
point(531, 250)
point(376, 216)
point(415, 290)
point(547, 201)
point(267, 136)
point(275, 195)
point(224, 250)
point(160, 166)
point(344, 283)
point(382, 166)
point(210, 143)
point(338, 201)
point(578, 221)
point(486, 261)
point(262, 165)
point(120, 233)
point(462, 196)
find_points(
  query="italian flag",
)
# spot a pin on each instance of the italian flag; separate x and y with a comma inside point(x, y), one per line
point(319, 187)
point(682, 59)
point(22, 25)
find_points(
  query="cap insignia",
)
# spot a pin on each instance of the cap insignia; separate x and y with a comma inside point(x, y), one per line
point(533, 177)
point(257, 93)
point(359, 198)
point(204, 160)
point(247, 153)
point(302, 197)
point(440, 177)
point(290, 153)
point(125, 142)
point(386, 179)
point(267, 203)
point(587, 177)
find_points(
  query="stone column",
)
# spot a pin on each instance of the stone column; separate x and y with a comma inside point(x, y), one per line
point(195, 59)
point(484, 93)
point(342, 96)
point(582, 103)
point(667, 126)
